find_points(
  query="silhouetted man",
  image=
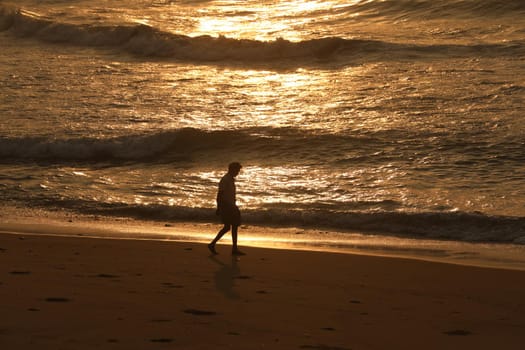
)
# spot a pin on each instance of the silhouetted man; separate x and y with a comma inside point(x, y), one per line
point(227, 208)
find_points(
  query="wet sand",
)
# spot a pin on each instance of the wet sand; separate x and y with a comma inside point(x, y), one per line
point(86, 293)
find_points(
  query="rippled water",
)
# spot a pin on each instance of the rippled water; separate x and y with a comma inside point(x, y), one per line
point(391, 116)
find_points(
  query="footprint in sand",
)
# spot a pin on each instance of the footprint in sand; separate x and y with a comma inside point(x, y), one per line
point(322, 347)
point(57, 300)
point(458, 332)
point(330, 329)
point(200, 312)
point(161, 340)
point(243, 277)
point(106, 275)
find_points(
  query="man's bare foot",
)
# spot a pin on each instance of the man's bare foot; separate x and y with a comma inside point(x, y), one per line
point(237, 252)
point(211, 247)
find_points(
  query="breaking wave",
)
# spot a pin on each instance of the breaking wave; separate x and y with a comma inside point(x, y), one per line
point(151, 147)
point(269, 143)
point(162, 146)
point(149, 42)
point(457, 226)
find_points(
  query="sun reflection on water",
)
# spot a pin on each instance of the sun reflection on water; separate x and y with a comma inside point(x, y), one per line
point(260, 22)
point(251, 98)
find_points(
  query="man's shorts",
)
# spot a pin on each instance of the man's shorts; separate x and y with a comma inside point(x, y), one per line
point(230, 215)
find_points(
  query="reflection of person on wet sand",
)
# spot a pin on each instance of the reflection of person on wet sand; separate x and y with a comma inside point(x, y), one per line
point(225, 277)
point(227, 208)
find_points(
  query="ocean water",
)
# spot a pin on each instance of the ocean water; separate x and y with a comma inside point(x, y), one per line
point(395, 117)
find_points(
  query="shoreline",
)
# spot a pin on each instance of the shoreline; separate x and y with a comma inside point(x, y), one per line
point(489, 255)
point(82, 293)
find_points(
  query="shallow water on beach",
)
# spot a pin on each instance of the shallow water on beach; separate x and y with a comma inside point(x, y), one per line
point(391, 117)
point(43, 223)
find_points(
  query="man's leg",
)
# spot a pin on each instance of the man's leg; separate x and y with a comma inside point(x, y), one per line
point(235, 250)
point(234, 237)
point(221, 233)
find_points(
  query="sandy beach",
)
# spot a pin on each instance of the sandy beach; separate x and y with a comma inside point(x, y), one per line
point(375, 150)
point(85, 293)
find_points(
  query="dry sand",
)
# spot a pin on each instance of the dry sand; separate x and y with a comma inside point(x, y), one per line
point(85, 293)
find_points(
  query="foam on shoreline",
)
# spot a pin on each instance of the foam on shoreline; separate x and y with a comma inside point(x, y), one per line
point(506, 256)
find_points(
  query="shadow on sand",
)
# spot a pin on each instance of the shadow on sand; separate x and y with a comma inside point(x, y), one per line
point(225, 276)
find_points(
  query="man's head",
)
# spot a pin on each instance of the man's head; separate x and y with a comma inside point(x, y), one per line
point(234, 168)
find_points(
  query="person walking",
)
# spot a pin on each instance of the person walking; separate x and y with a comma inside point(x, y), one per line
point(227, 208)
